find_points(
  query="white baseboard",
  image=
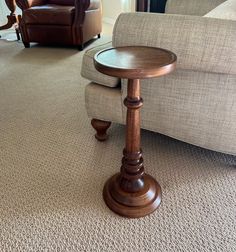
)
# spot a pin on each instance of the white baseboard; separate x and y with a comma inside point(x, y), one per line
point(108, 20)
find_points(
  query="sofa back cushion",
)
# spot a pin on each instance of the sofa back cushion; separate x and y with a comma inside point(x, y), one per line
point(62, 2)
point(191, 7)
point(226, 10)
point(200, 43)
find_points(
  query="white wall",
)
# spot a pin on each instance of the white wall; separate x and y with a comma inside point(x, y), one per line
point(112, 9)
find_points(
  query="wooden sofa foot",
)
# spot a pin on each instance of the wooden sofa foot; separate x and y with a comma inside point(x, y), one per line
point(101, 128)
point(99, 35)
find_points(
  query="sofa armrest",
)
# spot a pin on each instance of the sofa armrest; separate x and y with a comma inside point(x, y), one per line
point(25, 4)
point(89, 71)
point(201, 43)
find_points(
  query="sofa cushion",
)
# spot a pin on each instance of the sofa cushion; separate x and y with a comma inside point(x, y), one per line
point(226, 10)
point(88, 70)
point(50, 14)
point(191, 7)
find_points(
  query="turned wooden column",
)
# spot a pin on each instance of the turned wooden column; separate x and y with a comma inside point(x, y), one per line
point(12, 18)
point(132, 171)
point(131, 192)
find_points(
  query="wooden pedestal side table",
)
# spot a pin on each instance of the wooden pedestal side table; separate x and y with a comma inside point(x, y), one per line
point(133, 193)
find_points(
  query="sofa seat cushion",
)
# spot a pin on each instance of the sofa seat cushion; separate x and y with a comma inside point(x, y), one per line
point(89, 72)
point(50, 14)
point(226, 10)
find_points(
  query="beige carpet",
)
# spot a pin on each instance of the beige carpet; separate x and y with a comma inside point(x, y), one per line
point(52, 170)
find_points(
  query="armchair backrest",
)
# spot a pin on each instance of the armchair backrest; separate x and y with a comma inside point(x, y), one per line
point(62, 2)
point(191, 7)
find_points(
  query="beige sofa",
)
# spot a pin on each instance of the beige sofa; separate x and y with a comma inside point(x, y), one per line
point(197, 102)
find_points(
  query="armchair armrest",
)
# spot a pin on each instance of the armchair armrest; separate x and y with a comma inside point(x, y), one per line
point(84, 5)
point(201, 43)
point(81, 6)
point(25, 4)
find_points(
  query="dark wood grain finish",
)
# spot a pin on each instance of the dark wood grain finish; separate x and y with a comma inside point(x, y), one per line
point(101, 127)
point(132, 205)
point(135, 62)
point(132, 193)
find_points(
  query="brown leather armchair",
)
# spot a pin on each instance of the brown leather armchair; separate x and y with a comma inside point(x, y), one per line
point(63, 22)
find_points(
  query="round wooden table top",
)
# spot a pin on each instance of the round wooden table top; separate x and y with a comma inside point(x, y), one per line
point(135, 62)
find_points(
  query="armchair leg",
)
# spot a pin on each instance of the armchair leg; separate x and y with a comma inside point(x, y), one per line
point(26, 44)
point(101, 127)
point(81, 47)
point(99, 35)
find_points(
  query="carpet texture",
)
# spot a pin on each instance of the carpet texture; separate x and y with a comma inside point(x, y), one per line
point(52, 170)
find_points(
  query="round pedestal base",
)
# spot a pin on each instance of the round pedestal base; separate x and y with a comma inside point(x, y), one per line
point(132, 205)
